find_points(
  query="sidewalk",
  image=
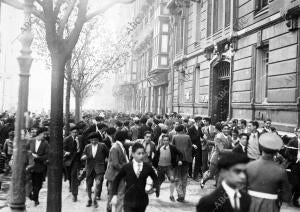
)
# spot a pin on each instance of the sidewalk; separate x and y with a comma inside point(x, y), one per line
point(4, 190)
point(161, 204)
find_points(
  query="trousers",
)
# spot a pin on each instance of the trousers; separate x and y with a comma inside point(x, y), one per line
point(37, 183)
point(121, 194)
point(181, 179)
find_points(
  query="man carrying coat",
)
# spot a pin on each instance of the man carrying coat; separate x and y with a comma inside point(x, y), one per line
point(72, 150)
point(95, 155)
point(116, 160)
point(38, 148)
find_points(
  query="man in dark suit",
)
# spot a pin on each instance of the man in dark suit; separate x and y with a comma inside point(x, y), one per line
point(149, 147)
point(228, 197)
point(156, 131)
point(38, 148)
point(207, 143)
point(135, 175)
point(135, 128)
point(241, 147)
point(195, 132)
point(117, 158)
point(108, 137)
point(267, 126)
point(72, 148)
point(183, 144)
point(95, 155)
point(144, 127)
point(293, 156)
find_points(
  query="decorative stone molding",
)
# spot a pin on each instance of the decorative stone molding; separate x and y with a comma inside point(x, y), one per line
point(176, 6)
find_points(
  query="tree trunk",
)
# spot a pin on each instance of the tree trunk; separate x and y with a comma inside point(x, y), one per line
point(68, 96)
point(77, 106)
point(56, 134)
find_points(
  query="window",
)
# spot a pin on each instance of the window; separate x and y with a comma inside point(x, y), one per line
point(134, 70)
point(198, 23)
point(165, 28)
point(163, 60)
point(150, 54)
point(261, 4)
point(164, 43)
point(218, 15)
point(180, 34)
point(209, 16)
point(197, 84)
point(262, 65)
point(151, 12)
point(181, 79)
point(227, 12)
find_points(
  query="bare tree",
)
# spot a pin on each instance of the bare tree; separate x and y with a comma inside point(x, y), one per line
point(58, 16)
point(91, 64)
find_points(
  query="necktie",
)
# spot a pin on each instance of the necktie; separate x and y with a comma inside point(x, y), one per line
point(298, 154)
point(254, 135)
point(93, 151)
point(236, 201)
point(77, 144)
point(139, 170)
point(165, 147)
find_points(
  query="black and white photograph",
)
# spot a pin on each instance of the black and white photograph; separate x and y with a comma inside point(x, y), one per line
point(149, 105)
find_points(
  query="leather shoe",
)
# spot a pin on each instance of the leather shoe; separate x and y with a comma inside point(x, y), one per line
point(172, 198)
point(157, 192)
point(89, 203)
point(296, 204)
point(31, 196)
point(95, 204)
point(74, 198)
point(180, 199)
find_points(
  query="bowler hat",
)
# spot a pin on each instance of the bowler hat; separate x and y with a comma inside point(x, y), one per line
point(94, 135)
point(41, 130)
point(74, 128)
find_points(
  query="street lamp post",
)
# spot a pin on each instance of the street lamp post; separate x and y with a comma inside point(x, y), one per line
point(18, 182)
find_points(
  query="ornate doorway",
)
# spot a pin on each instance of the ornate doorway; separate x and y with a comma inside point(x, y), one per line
point(219, 91)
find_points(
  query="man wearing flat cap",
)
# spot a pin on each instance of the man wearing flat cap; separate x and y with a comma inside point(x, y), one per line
point(72, 150)
point(229, 195)
point(95, 155)
point(268, 183)
point(38, 150)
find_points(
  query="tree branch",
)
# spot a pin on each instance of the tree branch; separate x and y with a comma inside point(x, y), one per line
point(65, 18)
point(40, 2)
point(20, 6)
point(74, 36)
point(50, 21)
point(57, 7)
point(108, 5)
point(14, 3)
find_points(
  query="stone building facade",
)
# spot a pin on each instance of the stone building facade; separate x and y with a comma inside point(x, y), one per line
point(236, 59)
point(148, 67)
point(227, 59)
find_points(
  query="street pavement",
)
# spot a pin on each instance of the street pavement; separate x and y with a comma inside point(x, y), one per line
point(161, 204)
point(4, 190)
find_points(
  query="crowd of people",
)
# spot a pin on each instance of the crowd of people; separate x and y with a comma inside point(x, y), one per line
point(254, 168)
